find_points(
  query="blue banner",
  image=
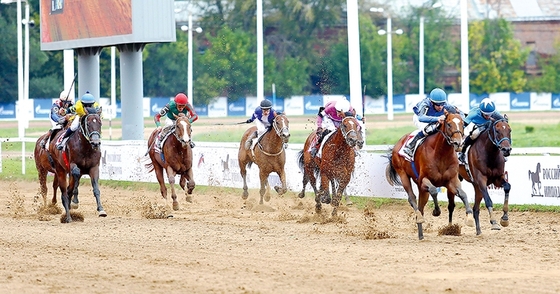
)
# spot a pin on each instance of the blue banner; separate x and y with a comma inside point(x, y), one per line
point(201, 110)
point(399, 103)
point(311, 104)
point(520, 101)
point(277, 103)
point(555, 101)
point(42, 108)
point(236, 108)
point(7, 111)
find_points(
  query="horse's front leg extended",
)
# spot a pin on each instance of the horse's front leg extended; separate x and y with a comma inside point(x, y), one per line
point(171, 178)
point(94, 176)
point(76, 173)
point(505, 219)
point(281, 190)
point(264, 185)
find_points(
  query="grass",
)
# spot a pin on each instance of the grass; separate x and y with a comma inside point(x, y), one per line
point(525, 133)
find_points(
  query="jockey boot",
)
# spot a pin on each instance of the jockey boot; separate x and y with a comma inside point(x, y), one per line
point(44, 140)
point(249, 142)
point(409, 148)
point(315, 148)
point(60, 144)
point(461, 155)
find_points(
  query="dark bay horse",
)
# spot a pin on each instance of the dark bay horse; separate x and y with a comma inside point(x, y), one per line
point(81, 156)
point(44, 164)
point(435, 165)
point(486, 160)
point(176, 158)
point(268, 155)
point(335, 166)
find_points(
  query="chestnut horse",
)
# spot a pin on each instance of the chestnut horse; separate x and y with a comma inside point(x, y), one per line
point(175, 157)
point(335, 166)
point(435, 164)
point(80, 156)
point(44, 164)
point(268, 155)
point(486, 163)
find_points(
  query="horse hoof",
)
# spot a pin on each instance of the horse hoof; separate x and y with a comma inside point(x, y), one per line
point(326, 200)
point(504, 223)
point(74, 205)
point(436, 212)
point(175, 206)
point(245, 195)
point(496, 227)
point(301, 194)
point(188, 198)
point(102, 213)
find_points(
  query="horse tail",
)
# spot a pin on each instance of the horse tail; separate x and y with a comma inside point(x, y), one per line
point(390, 172)
point(299, 158)
point(149, 167)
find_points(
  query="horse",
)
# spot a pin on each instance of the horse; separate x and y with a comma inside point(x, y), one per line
point(486, 162)
point(269, 155)
point(335, 166)
point(176, 157)
point(44, 164)
point(80, 156)
point(435, 164)
point(535, 178)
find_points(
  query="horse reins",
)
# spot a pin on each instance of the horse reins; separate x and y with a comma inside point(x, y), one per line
point(343, 128)
point(278, 131)
point(493, 135)
point(85, 129)
point(448, 138)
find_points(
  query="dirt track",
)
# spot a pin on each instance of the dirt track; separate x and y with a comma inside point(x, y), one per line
point(221, 244)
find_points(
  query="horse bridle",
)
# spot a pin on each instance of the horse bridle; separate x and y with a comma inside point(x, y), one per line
point(177, 136)
point(85, 130)
point(448, 137)
point(345, 132)
point(493, 134)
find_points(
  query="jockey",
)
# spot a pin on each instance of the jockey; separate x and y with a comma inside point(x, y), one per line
point(172, 109)
point(428, 115)
point(329, 119)
point(476, 123)
point(263, 116)
point(59, 109)
point(84, 106)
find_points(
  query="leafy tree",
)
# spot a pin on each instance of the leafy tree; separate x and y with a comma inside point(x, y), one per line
point(549, 81)
point(495, 57)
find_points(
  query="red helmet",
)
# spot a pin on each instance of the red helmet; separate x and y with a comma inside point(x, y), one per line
point(181, 99)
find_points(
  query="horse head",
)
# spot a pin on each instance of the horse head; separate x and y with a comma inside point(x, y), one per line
point(183, 130)
point(453, 128)
point(500, 135)
point(350, 129)
point(91, 129)
point(282, 127)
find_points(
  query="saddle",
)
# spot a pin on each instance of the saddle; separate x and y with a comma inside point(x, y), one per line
point(408, 139)
point(326, 137)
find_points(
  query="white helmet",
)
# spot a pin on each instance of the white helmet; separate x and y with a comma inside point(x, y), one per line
point(65, 96)
point(342, 105)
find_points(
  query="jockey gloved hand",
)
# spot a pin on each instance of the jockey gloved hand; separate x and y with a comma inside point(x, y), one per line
point(248, 121)
point(319, 130)
point(61, 120)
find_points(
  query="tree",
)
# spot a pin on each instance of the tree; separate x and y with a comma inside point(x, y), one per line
point(496, 58)
point(549, 81)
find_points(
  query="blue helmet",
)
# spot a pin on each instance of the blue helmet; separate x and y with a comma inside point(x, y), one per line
point(88, 98)
point(266, 104)
point(438, 96)
point(487, 106)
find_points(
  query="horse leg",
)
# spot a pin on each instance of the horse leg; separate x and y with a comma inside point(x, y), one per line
point(171, 178)
point(243, 172)
point(55, 188)
point(61, 174)
point(463, 196)
point(281, 190)
point(266, 190)
point(190, 185)
point(264, 184)
point(450, 206)
point(75, 203)
point(505, 219)
point(324, 190)
point(43, 184)
point(304, 183)
point(94, 176)
point(159, 176)
point(490, 207)
point(407, 185)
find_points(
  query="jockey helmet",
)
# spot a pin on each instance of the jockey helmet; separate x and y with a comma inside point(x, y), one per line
point(487, 106)
point(438, 96)
point(181, 99)
point(266, 104)
point(65, 96)
point(342, 105)
point(88, 98)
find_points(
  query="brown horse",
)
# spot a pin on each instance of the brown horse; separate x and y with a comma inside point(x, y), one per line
point(335, 166)
point(268, 155)
point(81, 156)
point(175, 157)
point(435, 165)
point(44, 164)
point(486, 162)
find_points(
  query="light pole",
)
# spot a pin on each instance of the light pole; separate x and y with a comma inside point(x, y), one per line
point(389, 32)
point(421, 87)
point(190, 57)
